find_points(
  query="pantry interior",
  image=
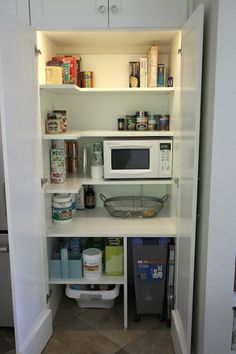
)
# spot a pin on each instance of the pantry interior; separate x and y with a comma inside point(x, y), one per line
point(92, 117)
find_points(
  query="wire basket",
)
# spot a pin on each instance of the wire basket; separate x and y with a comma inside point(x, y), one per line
point(133, 207)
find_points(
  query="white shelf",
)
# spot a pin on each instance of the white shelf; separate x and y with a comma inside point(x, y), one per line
point(72, 185)
point(103, 280)
point(76, 134)
point(97, 222)
point(73, 89)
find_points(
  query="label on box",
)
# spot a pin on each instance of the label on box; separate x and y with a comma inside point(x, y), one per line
point(150, 270)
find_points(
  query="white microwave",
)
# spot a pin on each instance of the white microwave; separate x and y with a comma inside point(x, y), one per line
point(125, 159)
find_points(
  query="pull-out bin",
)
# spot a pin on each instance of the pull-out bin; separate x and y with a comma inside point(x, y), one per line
point(87, 298)
point(150, 266)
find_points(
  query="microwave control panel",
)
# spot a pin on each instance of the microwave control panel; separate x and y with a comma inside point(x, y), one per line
point(165, 160)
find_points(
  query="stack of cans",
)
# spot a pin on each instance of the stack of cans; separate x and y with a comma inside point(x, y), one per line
point(57, 162)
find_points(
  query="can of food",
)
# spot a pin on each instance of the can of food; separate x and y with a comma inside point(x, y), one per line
point(163, 122)
point(130, 122)
point(141, 126)
point(141, 120)
point(58, 144)
point(72, 156)
point(152, 122)
point(92, 263)
point(121, 123)
point(64, 119)
point(62, 208)
point(86, 79)
point(54, 123)
point(57, 166)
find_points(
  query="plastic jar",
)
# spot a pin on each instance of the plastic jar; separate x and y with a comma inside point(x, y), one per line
point(62, 208)
point(92, 263)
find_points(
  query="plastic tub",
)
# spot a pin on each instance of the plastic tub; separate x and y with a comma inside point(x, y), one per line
point(92, 263)
point(62, 208)
point(86, 298)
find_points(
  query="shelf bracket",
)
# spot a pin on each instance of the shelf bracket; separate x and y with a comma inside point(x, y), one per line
point(180, 51)
point(43, 181)
point(37, 51)
point(49, 295)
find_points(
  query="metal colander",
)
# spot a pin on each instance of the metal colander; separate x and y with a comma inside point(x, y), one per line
point(133, 206)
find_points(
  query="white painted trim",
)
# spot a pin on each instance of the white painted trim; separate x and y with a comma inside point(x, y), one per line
point(125, 284)
point(39, 335)
point(177, 334)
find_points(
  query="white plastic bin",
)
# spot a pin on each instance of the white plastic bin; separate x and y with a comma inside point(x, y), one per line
point(93, 298)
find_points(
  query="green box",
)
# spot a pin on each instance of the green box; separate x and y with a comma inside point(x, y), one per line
point(114, 259)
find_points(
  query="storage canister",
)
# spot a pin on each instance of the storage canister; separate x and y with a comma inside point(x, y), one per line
point(87, 79)
point(141, 120)
point(62, 208)
point(130, 122)
point(92, 263)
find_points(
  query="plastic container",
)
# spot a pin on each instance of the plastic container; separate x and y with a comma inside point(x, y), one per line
point(114, 262)
point(150, 266)
point(87, 298)
point(92, 263)
point(62, 208)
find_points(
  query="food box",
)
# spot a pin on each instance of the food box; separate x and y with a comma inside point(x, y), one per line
point(54, 75)
point(114, 260)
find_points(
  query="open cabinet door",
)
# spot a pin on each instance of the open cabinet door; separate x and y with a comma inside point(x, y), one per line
point(191, 72)
point(23, 170)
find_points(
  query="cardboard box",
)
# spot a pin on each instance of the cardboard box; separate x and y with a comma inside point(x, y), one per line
point(54, 75)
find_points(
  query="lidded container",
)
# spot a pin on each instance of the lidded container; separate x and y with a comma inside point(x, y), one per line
point(62, 208)
point(92, 263)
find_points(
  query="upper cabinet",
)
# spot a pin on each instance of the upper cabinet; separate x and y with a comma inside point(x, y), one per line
point(76, 14)
point(18, 8)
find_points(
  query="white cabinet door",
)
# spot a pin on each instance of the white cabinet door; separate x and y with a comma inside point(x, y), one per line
point(69, 14)
point(147, 14)
point(23, 169)
point(18, 8)
point(191, 66)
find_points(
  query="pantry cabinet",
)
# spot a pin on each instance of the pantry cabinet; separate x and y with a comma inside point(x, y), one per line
point(92, 116)
point(108, 14)
point(18, 8)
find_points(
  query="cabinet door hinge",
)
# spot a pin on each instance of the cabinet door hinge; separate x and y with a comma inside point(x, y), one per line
point(49, 295)
point(176, 180)
point(43, 181)
point(37, 51)
point(180, 51)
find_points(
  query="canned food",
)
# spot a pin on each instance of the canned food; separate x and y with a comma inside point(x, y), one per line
point(64, 119)
point(86, 79)
point(163, 122)
point(141, 126)
point(72, 156)
point(57, 166)
point(54, 123)
point(141, 114)
point(152, 122)
point(130, 122)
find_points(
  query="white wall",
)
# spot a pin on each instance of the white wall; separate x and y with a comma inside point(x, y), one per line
point(216, 228)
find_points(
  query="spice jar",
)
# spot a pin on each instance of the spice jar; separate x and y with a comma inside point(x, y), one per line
point(121, 123)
